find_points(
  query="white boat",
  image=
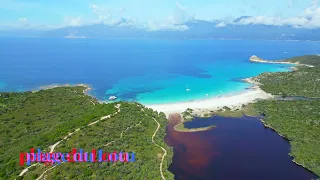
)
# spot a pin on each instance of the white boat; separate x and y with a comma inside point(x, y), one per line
point(111, 98)
point(188, 88)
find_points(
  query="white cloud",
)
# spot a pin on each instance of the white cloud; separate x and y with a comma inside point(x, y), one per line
point(290, 3)
point(181, 7)
point(96, 9)
point(156, 26)
point(310, 18)
point(175, 22)
point(220, 25)
point(73, 21)
point(23, 20)
point(114, 17)
point(122, 10)
point(276, 21)
point(314, 4)
point(102, 14)
point(181, 14)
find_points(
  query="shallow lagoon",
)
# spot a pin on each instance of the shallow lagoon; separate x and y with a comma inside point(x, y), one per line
point(238, 148)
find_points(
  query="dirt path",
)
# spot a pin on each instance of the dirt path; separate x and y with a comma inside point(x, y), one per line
point(164, 150)
point(122, 134)
point(45, 172)
point(69, 135)
point(26, 169)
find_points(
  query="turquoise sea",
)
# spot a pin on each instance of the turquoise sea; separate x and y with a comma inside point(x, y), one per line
point(148, 71)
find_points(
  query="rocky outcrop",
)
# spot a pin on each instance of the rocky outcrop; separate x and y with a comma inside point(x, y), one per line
point(255, 58)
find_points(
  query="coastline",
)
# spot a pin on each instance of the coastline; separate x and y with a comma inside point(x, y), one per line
point(88, 88)
point(252, 80)
point(235, 101)
point(285, 138)
point(193, 129)
point(179, 120)
point(260, 60)
point(86, 91)
point(206, 105)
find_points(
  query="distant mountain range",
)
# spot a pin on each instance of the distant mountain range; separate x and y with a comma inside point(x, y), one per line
point(198, 29)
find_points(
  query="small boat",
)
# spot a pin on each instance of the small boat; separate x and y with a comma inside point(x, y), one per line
point(188, 88)
point(111, 98)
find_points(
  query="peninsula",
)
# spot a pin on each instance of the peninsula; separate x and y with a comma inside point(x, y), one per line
point(295, 61)
point(296, 120)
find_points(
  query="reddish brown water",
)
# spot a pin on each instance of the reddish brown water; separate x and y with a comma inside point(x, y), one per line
point(239, 148)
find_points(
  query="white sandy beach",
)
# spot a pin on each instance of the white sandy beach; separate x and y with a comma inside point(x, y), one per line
point(232, 101)
point(211, 104)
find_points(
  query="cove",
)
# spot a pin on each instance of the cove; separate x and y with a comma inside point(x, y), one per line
point(238, 148)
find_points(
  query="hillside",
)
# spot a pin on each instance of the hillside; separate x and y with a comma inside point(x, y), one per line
point(302, 82)
point(43, 118)
point(308, 59)
point(296, 120)
point(194, 29)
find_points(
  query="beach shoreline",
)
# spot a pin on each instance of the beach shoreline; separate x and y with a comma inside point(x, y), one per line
point(206, 106)
point(234, 101)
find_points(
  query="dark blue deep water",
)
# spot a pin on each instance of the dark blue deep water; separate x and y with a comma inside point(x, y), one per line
point(238, 148)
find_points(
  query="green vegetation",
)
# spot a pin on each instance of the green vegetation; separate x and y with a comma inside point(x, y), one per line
point(187, 115)
point(226, 108)
point(42, 118)
point(225, 112)
point(244, 110)
point(180, 127)
point(308, 59)
point(299, 122)
point(303, 82)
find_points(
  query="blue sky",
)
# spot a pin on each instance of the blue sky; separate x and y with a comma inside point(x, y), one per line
point(59, 13)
